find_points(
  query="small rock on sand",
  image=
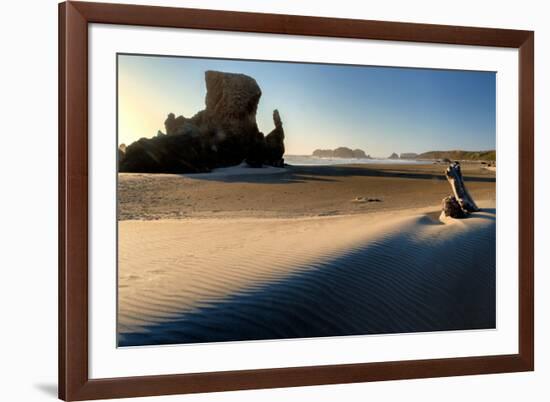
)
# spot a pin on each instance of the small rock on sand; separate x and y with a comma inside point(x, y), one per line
point(366, 199)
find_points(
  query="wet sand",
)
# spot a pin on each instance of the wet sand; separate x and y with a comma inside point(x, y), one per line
point(294, 191)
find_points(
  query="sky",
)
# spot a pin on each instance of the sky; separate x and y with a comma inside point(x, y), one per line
point(378, 109)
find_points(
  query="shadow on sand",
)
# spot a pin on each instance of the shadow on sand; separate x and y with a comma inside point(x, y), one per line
point(401, 283)
point(301, 174)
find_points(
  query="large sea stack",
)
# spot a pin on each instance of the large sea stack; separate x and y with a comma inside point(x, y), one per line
point(224, 134)
point(393, 156)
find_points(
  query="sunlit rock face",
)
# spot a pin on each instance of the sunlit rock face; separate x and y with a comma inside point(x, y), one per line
point(224, 134)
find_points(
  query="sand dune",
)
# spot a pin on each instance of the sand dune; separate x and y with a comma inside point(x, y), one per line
point(203, 280)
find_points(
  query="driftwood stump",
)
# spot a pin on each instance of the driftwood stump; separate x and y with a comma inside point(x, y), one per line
point(451, 208)
point(460, 203)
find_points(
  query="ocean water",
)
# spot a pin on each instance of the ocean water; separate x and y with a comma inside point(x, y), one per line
point(306, 160)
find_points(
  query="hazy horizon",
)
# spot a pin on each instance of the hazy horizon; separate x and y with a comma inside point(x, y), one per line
point(380, 110)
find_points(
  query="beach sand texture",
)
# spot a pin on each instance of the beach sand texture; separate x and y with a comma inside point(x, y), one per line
point(276, 256)
point(296, 191)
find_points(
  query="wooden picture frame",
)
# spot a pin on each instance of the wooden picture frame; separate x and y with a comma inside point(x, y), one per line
point(74, 381)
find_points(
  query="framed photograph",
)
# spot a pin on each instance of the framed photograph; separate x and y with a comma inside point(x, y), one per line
point(260, 200)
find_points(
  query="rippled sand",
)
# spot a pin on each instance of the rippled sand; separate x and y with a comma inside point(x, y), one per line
point(205, 280)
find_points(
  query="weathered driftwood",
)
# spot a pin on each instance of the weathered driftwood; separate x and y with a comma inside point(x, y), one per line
point(451, 208)
point(461, 194)
point(460, 203)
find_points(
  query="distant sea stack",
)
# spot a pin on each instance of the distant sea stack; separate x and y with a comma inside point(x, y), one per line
point(224, 134)
point(408, 155)
point(393, 156)
point(341, 152)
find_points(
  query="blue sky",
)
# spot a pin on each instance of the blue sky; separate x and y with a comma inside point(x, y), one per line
point(378, 109)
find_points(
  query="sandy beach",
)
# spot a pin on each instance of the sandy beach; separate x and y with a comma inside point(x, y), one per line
point(301, 252)
point(293, 191)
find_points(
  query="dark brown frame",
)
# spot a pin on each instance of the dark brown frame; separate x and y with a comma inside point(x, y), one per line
point(74, 383)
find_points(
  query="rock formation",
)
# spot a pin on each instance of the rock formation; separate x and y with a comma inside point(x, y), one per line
point(323, 153)
point(225, 133)
point(121, 152)
point(458, 155)
point(274, 142)
point(341, 152)
point(408, 155)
